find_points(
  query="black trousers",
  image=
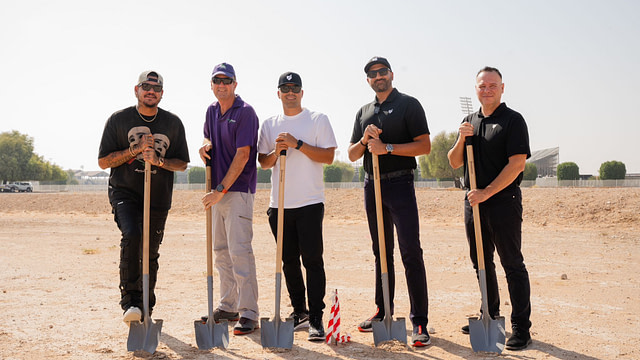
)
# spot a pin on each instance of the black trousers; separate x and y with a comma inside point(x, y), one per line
point(501, 221)
point(399, 210)
point(128, 216)
point(302, 238)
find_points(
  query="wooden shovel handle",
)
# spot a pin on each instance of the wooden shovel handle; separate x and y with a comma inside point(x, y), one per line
point(382, 248)
point(280, 223)
point(471, 166)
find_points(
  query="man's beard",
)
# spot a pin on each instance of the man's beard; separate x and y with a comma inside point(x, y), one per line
point(381, 85)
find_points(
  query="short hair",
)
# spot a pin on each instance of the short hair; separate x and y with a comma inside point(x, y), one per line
point(490, 69)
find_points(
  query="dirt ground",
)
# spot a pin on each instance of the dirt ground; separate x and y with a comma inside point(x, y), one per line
point(59, 278)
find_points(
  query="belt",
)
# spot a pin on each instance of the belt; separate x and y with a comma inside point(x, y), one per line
point(392, 174)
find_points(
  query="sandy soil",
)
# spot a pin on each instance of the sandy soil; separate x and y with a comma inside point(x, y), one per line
point(59, 277)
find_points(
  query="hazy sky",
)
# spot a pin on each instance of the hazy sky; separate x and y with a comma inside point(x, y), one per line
point(570, 67)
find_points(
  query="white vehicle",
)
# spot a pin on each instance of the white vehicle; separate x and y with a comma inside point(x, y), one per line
point(18, 187)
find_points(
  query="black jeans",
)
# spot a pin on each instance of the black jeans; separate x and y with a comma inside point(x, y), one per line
point(302, 237)
point(128, 216)
point(501, 222)
point(400, 210)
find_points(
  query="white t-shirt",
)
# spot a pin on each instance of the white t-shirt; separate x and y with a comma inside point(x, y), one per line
point(303, 181)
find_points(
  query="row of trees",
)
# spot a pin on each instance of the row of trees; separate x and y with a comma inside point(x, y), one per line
point(18, 162)
point(436, 166)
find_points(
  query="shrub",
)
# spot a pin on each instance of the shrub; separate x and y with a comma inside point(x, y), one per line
point(611, 170)
point(568, 171)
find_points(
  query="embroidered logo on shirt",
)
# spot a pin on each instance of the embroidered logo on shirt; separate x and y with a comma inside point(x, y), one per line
point(231, 120)
point(390, 111)
point(494, 126)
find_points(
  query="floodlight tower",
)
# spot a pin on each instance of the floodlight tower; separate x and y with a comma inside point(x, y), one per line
point(466, 105)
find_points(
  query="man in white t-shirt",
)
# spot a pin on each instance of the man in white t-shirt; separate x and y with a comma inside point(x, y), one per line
point(309, 140)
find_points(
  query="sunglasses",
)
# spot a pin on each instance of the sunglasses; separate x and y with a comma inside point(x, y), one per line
point(147, 87)
point(286, 88)
point(225, 81)
point(371, 74)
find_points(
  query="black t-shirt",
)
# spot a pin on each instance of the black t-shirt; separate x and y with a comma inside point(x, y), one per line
point(496, 137)
point(126, 182)
point(401, 118)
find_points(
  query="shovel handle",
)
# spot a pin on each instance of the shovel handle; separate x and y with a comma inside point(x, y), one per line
point(209, 221)
point(145, 237)
point(382, 248)
point(471, 166)
point(280, 223)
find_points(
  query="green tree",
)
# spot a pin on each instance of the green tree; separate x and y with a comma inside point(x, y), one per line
point(264, 176)
point(332, 173)
point(611, 170)
point(530, 171)
point(361, 173)
point(196, 175)
point(347, 171)
point(568, 171)
point(19, 162)
point(436, 164)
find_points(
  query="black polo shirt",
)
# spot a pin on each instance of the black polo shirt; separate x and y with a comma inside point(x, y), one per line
point(401, 118)
point(496, 138)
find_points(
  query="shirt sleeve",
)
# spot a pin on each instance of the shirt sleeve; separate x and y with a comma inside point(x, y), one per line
point(247, 131)
point(325, 137)
point(518, 138)
point(417, 119)
point(356, 134)
point(265, 144)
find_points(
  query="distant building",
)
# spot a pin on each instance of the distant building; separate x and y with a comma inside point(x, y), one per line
point(546, 161)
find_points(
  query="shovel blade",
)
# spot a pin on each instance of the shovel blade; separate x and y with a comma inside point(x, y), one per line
point(487, 334)
point(211, 334)
point(389, 329)
point(276, 333)
point(144, 335)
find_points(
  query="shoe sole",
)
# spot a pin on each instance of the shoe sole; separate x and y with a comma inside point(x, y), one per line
point(244, 332)
point(420, 343)
point(302, 325)
point(316, 338)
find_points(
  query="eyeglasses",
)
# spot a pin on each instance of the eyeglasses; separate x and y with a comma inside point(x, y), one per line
point(371, 74)
point(225, 81)
point(286, 88)
point(147, 87)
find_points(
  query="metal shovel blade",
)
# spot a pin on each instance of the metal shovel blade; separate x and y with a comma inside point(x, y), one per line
point(211, 334)
point(487, 334)
point(276, 333)
point(388, 329)
point(144, 335)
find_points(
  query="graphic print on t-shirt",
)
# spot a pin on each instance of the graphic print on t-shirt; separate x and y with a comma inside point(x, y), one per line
point(161, 141)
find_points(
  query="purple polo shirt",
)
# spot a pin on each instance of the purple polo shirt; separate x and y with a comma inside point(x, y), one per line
point(236, 128)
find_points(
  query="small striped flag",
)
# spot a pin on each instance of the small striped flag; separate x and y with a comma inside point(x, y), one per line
point(333, 328)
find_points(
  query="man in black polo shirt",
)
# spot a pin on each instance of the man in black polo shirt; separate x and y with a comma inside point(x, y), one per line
point(394, 127)
point(500, 148)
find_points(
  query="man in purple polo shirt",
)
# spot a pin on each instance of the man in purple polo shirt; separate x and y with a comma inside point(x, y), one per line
point(231, 136)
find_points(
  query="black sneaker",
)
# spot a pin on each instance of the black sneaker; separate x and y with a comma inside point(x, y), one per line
point(420, 336)
point(465, 329)
point(366, 326)
point(222, 315)
point(519, 340)
point(316, 330)
point(300, 320)
point(245, 326)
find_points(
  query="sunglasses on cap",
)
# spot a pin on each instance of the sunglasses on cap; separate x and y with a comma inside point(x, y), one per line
point(147, 87)
point(225, 81)
point(286, 88)
point(371, 74)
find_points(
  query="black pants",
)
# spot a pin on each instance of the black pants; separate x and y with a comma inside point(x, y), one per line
point(399, 210)
point(302, 237)
point(501, 221)
point(128, 216)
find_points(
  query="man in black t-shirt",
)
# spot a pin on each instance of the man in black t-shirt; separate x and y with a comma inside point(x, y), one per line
point(394, 126)
point(132, 136)
point(500, 149)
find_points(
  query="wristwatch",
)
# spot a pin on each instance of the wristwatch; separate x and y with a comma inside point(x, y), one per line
point(220, 188)
point(299, 145)
point(389, 148)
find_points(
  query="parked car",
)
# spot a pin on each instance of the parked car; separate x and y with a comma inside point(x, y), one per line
point(18, 187)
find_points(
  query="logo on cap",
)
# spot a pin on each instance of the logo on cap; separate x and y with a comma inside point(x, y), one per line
point(289, 77)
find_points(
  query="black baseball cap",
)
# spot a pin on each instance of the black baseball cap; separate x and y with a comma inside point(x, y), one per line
point(376, 60)
point(290, 78)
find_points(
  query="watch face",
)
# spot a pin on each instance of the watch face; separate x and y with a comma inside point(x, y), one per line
point(389, 148)
point(220, 188)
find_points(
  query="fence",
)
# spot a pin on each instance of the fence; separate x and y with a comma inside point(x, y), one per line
point(540, 182)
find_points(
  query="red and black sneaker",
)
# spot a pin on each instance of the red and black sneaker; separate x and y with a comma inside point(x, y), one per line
point(420, 337)
point(366, 326)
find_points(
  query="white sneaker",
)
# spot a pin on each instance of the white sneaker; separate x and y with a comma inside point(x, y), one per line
point(132, 314)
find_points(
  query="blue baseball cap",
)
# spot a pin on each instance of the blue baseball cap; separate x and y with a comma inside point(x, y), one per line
point(224, 69)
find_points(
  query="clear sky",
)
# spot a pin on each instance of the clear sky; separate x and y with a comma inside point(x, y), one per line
point(569, 67)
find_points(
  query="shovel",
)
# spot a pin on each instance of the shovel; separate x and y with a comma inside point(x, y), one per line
point(387, 328)
point(485, 333)
point(145, 335)
point(210, 334)
point(276, 333)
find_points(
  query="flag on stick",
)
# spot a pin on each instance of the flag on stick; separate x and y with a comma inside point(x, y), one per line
point(333, 328)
